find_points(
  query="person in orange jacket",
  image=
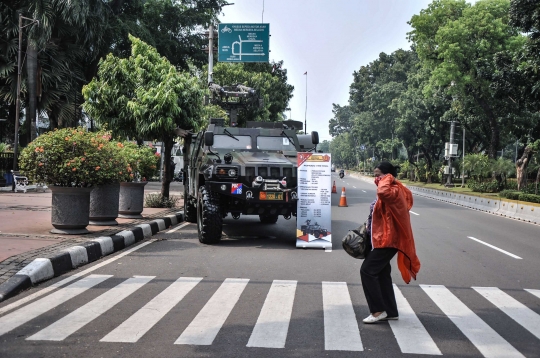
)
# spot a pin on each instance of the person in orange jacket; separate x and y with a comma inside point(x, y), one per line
point(390, 226)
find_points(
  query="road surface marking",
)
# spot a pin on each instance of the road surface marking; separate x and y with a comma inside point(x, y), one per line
point(206, 325)
point(534, 292)
point(484, 338)
point(71, 278)
point(495, 247)
point(364, 191)
point(66, 326)
point(177, 228)
point(410, 334)
point(354, 187)
point(516, 310)
point(412, 212)
point(143, 320)
point(35, 309)
point(340, 326)
point(272, 326)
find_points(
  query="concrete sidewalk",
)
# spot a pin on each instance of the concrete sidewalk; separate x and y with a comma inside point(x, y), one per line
point(25, 224)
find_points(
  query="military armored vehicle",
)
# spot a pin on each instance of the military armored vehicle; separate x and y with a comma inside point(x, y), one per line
point(240, 171)
point(315, 229)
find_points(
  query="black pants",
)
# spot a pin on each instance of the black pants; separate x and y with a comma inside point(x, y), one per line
point(377, 281)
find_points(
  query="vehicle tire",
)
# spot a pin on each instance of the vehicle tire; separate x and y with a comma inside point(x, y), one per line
point(268, 219)
point(317, 234)
point(209, 218)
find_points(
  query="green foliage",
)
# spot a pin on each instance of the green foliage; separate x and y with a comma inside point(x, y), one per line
point(159, 201)
point(477, 165)
point(143, 96)
point(142, 162)
point(270, 82)
point(517, 195)
point(4, 147)
point(72, 157)
point(491, 186)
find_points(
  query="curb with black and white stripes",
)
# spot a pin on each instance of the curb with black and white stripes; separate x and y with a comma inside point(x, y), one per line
point(42, 269)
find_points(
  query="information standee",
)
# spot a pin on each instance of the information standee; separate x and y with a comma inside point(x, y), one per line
point(314, 214)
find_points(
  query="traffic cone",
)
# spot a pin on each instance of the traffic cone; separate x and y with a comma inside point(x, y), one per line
point(343, 199)
point(334, 190)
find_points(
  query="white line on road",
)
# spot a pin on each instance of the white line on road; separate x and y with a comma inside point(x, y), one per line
point(340, 326)
point(495, 247)
point(66, 326)
point(484, 338)
point(411, 335)
point(132, 329)
point(354, 187)
point(412, 212)
point(206, 325)
point(178, 227)
point(516, 310)
point(534, 292)
point(71, 278)
point(35, 309)
point(364, 191)
point(273, 322)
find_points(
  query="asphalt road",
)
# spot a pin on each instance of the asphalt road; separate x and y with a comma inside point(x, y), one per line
point(256, 295)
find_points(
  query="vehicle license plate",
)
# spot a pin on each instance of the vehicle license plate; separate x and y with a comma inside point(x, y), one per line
point(270, 196)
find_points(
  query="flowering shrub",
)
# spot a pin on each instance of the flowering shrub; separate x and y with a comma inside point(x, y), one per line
point(73, 157)
point(141, 161)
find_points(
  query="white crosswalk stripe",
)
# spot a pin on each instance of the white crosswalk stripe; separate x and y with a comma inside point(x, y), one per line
point(272, 329)
point(273, 323)
point(340, 325)
point(144, 319)
point(410, 334)
point(486, 340)
point(206, 325)
point(37, 308)
point(77, 319)
point(516, 310)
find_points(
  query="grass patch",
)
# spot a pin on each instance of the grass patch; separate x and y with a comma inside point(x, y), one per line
point(158, 201)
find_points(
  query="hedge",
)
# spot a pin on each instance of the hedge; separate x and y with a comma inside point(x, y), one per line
point(517, 195)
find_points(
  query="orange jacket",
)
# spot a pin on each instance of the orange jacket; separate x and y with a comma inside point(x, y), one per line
point(391, 225)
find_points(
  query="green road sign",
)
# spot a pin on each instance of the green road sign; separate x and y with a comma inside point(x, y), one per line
point(243, 42)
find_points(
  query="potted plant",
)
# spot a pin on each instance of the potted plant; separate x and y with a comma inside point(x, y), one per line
point(104, 197)
point(142, 164)
point(72, 161)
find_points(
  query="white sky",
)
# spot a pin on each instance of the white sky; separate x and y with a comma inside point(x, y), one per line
point(329, 39)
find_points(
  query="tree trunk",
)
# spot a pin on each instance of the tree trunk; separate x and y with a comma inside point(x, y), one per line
point(31, 69)
point(521, 167)
point(536, 183)
point(493, 125)
point(167, 175)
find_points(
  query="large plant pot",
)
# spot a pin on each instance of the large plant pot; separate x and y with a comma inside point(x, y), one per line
point(104, 203)
point(70, 210)
point(131, 200)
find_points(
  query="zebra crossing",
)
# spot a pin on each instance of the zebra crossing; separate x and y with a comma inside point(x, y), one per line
point(341, 325)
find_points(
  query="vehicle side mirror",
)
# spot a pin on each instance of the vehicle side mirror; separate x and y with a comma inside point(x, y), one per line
point(209, 139)
point(315, 137)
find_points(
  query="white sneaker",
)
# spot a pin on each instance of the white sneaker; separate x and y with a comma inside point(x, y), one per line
point(372, 319)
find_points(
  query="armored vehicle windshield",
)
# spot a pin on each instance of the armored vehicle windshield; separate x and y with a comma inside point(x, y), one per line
point(275, 143)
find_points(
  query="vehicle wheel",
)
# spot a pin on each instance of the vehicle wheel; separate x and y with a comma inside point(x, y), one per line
point(190, 211)
point(209, 218)
point(268, 219)
point(317, 234)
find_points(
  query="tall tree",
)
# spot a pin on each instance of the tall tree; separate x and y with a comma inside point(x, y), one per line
point(458, 43)
point(148, 99)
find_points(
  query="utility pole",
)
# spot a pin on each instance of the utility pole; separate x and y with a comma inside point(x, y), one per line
point(305, 113)
point(18, 101)
point(449, 182)
point(210, 53)
point(463, 161)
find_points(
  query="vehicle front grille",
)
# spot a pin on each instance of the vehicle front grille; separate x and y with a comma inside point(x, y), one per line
point(262, 171)
point(287, 172)
point(275, 173)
